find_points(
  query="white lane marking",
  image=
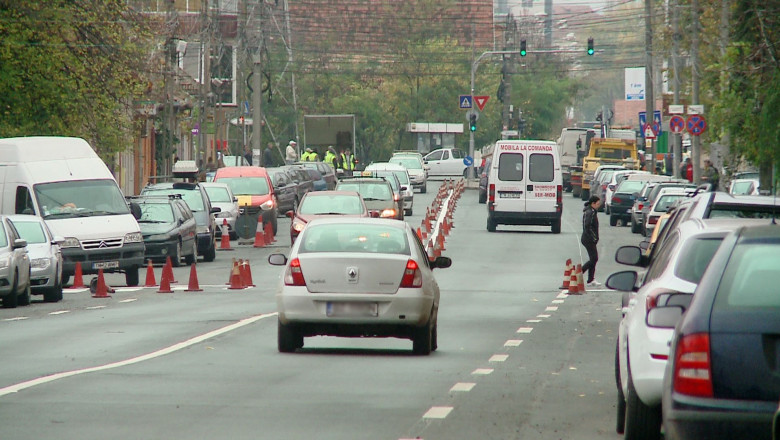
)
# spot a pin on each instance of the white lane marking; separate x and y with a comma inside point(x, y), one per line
point(557, 301)
point(572, 368)
point(128, 289)
point(95, 307)
point(129, 300)
point(59, 312)
point(482, 371)
point(438, 412)
point(551, 308)
point(155, 354)
point(525, 330)
point(532, 321)
point(79, 290)
point(498, 358)
point(563, 294)
point(18, 318)
point(462, 386)
point(543, 316)
point(513, 343)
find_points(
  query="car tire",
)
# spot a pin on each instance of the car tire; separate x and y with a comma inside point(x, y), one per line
point(12, 299)
point(556, 226)
point(176, 258)
point(408, 212)
point(423, 188)
point(422, 339)
point(288, 339)
point(642, 422)
point(435, 336)
point(584, 194)
point(620, 426)
point(211, 253)
point(131, 276)
point(483, 198)
point(190, 259)
point(491, 225)
point(53, 294)
point(613, 220)
point(634, 226)
point(24, 297)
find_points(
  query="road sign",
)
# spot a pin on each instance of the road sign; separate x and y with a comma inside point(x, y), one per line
point(465, 101)
point(676, 109)
point(643, 121)
point(468, 161)
point(676, 124)
point(696, 109)
point(696, 125)
point(481, 101)
point(648, 132)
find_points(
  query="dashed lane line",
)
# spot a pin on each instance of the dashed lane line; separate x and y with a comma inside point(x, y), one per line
point(462, 387)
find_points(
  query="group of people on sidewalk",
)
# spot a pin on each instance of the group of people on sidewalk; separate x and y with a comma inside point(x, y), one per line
point(709, 173)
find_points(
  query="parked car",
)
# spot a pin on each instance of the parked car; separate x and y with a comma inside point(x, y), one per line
point(609, 185)
point(744, 187)
point(721, 379)
point(626, 194)
point(45, 256)
point(169, 228)
point(285, 187)
point(374, 279)
point(326, 171)
point(199, 203)
point(254, 190)
point(414, 163)
point(302, 179)
point(643, 347)
point(445, 162)
point(325, 204)
point(14, 266)
point(376, 193)
point(661, 205)
point(222, 197)
point(384, 169)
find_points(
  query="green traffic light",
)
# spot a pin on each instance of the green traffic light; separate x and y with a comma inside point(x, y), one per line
point(591, 51)
point(522, 48)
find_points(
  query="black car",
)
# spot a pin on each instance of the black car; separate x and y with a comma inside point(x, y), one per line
point(328, 173)
point(623, 201)
point(198, 200)
point(286, 189)
point(302, 179)
point(168, 227)
point(722, 378)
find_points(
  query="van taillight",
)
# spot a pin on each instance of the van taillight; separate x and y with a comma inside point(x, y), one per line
point(559, 198)
point(492, 193)
point(412, 275)
point(294, 276)
point(692, 367)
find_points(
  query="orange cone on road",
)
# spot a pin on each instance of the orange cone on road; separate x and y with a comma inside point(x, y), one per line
point(566, 275)
point(78, 278)
point(259, 235)
point(268, 231)
point(168, 270)
point(235, 278)
point(150, 280)
point(224, 243)
point(580, 279)
point(249, 281)
point(102, 290)
point(193, 285)
point(165, 283)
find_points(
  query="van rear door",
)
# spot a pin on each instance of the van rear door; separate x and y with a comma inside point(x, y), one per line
point(510, 181)
point(541, 188)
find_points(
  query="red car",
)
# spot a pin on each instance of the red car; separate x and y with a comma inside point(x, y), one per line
point(253, 188)
point(325, 204)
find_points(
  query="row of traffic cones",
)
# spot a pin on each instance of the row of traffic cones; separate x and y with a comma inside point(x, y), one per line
point(264, 235)
point(240, 275)
point(435, 244)
point(573, 281)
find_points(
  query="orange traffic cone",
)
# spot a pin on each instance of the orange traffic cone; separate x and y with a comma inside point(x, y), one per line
point(230, 274)
point(574, 286)
point(249, 283)
point(580, 279)
point(259, 235)
point(165, 282)
point(102, 290)
point(419, 234)
point(566, 275)
point(150, 280)
point(224, 242)
point(235, 278)
point(168, 270)
point(242, 271)
point(440, 239)
point(268, 231)
point(193, 286)
point(78, 278)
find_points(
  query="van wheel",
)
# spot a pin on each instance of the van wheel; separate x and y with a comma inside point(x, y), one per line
point(491, 225)
point(131, 276)
point(556, 226)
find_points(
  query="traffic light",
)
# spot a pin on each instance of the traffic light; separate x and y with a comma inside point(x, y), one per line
point(523, 52)
point(473, 122)
point(590, 46)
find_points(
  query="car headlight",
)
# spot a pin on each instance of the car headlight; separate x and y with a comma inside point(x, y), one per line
point(40, 263)
point(204, 229)
point(267, 206)
point(298, 225)
point(70, 242)
point(134, 237)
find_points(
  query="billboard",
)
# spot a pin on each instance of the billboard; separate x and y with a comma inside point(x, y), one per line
point(635, 83)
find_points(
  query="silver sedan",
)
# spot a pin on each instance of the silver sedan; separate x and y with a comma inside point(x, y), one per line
point(14, 266)
point(45, 256)
point(358, 277)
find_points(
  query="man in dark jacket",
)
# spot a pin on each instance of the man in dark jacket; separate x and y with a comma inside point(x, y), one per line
point(590, 237)
point(268, 156)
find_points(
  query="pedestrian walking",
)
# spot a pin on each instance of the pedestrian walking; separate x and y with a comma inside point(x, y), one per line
point(710, 175)
point(268, 156)
point(590, 238)
point(248, 155)
point(290, 154)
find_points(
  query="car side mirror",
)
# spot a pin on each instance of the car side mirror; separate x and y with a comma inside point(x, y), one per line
point(235, 199)
point(135, 210)
point(631, 255)
point(664, 317)
point(441, 263)
point(58, 240)
point(624, 281)
point(404, 187)
point(277, 259)
point(20, 243)
point(644, 244)
point(215, 209)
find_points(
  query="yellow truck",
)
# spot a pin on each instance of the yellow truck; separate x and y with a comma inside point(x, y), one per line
point(607, 151)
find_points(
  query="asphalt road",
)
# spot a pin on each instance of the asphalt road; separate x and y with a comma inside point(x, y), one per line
point(517, 359)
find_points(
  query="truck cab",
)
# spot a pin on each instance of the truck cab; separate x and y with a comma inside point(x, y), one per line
point(607, 151)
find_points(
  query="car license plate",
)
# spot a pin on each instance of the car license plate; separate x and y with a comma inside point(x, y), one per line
point(105, 265)
point(353, 309)
point(510, 195)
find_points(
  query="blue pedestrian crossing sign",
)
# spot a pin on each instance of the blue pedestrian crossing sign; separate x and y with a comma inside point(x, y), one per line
point(465, 101)
point(656, 120)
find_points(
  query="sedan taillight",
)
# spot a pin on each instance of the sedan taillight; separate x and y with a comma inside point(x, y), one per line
point(412, 275)
point(293, 276)
point(692, 367)
point(652, 220)
point(616, 200)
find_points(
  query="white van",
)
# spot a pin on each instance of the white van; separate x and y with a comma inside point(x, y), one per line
point(64, 181)
point(525, 185)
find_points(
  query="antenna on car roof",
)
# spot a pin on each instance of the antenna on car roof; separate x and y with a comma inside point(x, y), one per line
point(774, 210)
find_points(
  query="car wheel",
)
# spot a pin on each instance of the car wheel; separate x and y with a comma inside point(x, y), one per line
point(54, 294)
point(288, 339)
point(556, 226)
point(422, 341)
point(634, 226)
point(435, 337)
point(12, 299)
point(642, 422)
point(424, 188)
point(408, 212)
point(131, 276)
point(176, 259)
point(483, 197)
point(584, 194)
point(606, 209)
point(491, 225)
point(24, 297)
point(621, 398)
point(613, 220)
point(211, 252)
point(190, 259)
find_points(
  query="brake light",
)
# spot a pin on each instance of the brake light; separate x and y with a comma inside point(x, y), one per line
point(293, 276)
point(639, 205)
point(616, 200)
point(412, 275)
point(603, 186)
point(652, 220)
point(396, 197)
point(559, 198)
point(387, 213)
point(692, 368)
point(492, 193)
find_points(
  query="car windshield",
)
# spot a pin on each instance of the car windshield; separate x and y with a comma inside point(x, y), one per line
point(695, 257)
point(388, 175)
point(666, 201)
point(192, 197)
point(330, 204)
point(32, 231)
point(246, 186)
point(156, 213)
point(217, 194)
point(351, 237)
point(80, 198)
point(408, 162)
point(369, 191)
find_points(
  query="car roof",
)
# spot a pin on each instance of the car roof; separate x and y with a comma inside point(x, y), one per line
point(214, 184)
point(186, 186)
point(364, 179)
point(25, 218)
point(390, 223)
point(767, 230)
point(247, 171)
point(331, 193)
point(385, 166)
point(692, 225)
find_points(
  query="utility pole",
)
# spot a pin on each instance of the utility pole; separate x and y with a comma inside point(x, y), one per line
point(205, 81)
point(676, 137)
point(649, 95)
point(695, 149)
point(257, 85)
point(508, 70)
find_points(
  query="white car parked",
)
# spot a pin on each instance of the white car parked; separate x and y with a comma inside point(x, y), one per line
point(45, 255)
point(446, 162)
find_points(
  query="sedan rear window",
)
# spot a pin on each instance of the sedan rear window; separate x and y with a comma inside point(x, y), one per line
point(340, 204)
point(751, 276)
point(695, 257)
point(351, 237)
